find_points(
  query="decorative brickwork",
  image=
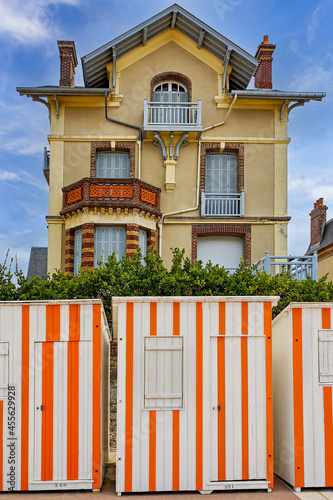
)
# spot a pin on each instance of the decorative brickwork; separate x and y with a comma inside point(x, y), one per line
point(112, 194)
point(263, 72)
point(69, 252)
point(132, 239)
point(318, 219)
point(151, 238)
point(223, 230)
point(74, 195)
point(148, 196)
point(68, 63)
point(113, 348)
point(105, 147)
point(171, 75)
point(87, 258)
point(230, 147)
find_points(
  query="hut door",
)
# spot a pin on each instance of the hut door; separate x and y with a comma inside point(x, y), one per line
point(238, 410)
point(63, 416)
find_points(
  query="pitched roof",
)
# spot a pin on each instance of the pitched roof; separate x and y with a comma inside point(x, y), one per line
point(326, 238)
point(174, 17)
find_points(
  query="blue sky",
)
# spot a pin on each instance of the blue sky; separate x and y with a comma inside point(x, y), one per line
point(29, 30)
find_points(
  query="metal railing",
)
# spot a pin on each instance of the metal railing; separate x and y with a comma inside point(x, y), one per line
point(298, 266)
point(46, 165)
point(222, 205)
point(172, 115)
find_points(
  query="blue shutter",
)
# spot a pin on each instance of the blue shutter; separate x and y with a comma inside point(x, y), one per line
point(108, 241)
point(113, 166)
point(221, 174)
point(77, 250)
point(143, 243)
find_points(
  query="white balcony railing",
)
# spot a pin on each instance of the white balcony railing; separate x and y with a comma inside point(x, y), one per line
point(172, 116)
point(222, 205)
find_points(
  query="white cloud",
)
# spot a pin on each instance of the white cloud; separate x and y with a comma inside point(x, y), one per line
point(7, 176)
point(30, 21)
point(316, 77)
point(316, 18)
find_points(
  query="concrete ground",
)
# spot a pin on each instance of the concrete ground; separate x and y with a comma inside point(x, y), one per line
point(280, 492)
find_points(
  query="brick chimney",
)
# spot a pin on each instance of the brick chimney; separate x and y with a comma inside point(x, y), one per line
point(68, 63)
point(318, 219)
point(263, 72)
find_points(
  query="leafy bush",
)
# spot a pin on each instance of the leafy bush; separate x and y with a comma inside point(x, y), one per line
point(131, 277)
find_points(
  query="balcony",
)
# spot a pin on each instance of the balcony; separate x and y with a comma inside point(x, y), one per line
point(110, 194)
point(172, 116)
point(222, 205)
point(298, 266)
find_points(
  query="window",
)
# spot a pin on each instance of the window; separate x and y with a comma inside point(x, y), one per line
point(325, 338)
point(143, 243)
point(108, 241)
point(163, 372)
point(170, 92)
point(113, 165)
point(225, 250)
point(221, 174)
point(77, 250)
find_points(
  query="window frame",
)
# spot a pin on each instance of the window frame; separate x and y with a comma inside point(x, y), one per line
point(111, 229)
point(122, 157)
point(227, 162)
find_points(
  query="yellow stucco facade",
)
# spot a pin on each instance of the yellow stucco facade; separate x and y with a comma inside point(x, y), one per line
point(205, 156)
point(252, 130)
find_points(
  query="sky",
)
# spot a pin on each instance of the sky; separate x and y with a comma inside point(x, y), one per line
point(29, 30)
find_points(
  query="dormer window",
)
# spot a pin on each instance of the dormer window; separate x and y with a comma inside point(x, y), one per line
point(170, 91)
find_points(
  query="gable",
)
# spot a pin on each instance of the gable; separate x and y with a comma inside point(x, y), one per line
point(176, 19)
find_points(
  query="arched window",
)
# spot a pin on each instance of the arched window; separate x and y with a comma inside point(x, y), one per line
point(170, 91)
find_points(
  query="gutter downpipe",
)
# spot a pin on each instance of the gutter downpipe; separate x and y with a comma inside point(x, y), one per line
point(139, 142)
point(161, 221)
point(226, 116)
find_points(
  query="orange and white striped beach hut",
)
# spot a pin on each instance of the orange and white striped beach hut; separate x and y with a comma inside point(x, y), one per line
point(54, 387)
point(194, 393)
point(303, 381)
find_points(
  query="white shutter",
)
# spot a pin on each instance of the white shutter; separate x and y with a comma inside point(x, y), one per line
point(221, 174)
point(163, 372)
point(77, 250)
point(325, 356)
point(143, 243)
point(108, 241)
point(113, 166)
point(232, 174)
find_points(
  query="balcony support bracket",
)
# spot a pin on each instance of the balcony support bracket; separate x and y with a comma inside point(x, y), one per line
point(180, 144)
point(160, 144)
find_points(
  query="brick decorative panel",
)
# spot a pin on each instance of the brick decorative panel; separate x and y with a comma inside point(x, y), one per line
point(148, 196)
point(74, 195)
point(69, 252)
point(223, 230)
point(132, 238)
point(111, 192)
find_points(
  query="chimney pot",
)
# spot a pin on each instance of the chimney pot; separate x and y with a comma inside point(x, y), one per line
point(263, 72)
point(68, 63)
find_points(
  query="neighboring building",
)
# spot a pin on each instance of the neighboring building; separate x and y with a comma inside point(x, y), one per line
point(321, 233)
point(37, 262)
point(166, 145)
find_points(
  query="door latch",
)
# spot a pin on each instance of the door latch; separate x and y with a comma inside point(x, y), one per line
point(218, 407)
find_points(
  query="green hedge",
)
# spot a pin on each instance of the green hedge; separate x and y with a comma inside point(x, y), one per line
point(131, 277)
